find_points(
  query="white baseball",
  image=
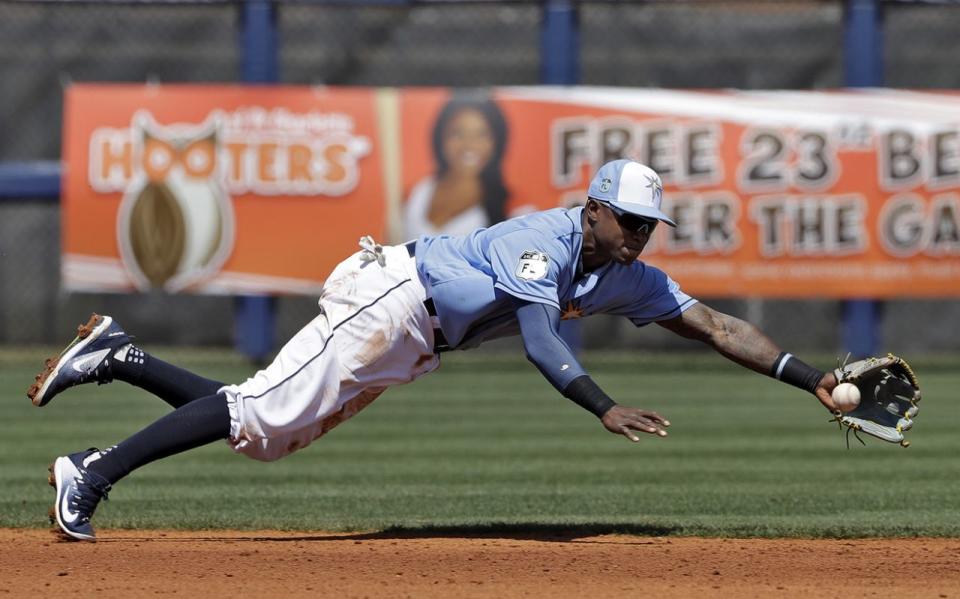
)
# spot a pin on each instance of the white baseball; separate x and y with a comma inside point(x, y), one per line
point(846, 396)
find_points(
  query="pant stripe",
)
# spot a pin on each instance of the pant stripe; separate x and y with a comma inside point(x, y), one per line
point(332, 331)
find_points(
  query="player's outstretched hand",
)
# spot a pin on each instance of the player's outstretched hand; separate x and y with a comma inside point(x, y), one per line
point(824, 389)
point(621, 420)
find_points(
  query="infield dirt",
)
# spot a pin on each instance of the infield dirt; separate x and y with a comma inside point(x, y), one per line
point(266, 563)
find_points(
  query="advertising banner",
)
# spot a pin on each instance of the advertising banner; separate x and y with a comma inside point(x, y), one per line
point(775, 194)
point(216, 189)
point(223, 189)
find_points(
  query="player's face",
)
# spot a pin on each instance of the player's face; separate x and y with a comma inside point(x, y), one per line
point(621, 236)
point(467, 142)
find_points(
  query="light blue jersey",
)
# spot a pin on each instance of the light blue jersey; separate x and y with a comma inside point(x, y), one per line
point(535, 258)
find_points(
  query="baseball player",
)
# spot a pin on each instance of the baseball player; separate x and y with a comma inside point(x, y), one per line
point(387, 313)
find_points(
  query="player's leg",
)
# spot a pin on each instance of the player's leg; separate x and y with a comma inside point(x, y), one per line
point(374, 331)
point(82, 479)
point(327, 372)
point(173, 384)
point(102, 352)
point(301, 381)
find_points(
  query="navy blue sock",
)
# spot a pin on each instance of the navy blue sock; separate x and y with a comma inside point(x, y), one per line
point(197, 423)
point(170, 383)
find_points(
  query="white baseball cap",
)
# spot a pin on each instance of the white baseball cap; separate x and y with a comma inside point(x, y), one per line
point(630, 187)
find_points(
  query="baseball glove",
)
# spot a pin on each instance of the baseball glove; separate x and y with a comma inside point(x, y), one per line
point(889, 392)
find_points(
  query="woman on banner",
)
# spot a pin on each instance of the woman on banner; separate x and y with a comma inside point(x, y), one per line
point(466, 191)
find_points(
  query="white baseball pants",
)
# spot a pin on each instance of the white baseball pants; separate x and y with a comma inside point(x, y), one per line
point(373, 331)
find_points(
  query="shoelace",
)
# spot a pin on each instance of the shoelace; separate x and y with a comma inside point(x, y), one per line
point(102, 374)
point(88, 496)
point(106, 376)
point(372, 251)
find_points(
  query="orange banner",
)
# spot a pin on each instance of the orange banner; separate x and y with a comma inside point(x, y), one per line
point(216, 189)
point(231, 189)
point(776, 194)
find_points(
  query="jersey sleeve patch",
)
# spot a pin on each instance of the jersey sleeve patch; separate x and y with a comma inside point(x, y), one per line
point(532, 265)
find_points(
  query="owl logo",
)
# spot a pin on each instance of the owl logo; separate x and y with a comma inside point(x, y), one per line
point(175, 225)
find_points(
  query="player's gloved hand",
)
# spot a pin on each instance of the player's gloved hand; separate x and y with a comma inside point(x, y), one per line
point(889, 392)
point(622, 420)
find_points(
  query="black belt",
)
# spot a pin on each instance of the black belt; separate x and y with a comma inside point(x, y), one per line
point(440, 344)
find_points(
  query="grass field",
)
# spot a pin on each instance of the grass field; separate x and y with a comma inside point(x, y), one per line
point(485, 442)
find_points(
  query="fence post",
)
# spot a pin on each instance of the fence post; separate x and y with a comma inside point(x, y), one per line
point(863, 67)
point(560, 65)
point(255, 315)
point(559, 44)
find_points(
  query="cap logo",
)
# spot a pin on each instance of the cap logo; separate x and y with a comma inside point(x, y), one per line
point(605, 185)
point(657, 187)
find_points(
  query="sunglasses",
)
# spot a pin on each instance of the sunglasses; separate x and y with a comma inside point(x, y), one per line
point(632, 222)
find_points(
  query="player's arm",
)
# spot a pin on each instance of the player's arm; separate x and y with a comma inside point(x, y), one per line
point(746, 345)
point(540, 330)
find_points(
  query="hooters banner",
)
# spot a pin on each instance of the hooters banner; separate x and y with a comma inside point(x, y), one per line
point(217, 189)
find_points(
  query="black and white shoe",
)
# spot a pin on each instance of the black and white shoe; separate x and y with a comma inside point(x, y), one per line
point(86, 359)
point(79, 491)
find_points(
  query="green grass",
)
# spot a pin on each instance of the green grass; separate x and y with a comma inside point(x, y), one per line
point(486, 446)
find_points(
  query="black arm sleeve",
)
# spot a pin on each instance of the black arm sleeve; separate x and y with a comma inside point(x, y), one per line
point(588, 395)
